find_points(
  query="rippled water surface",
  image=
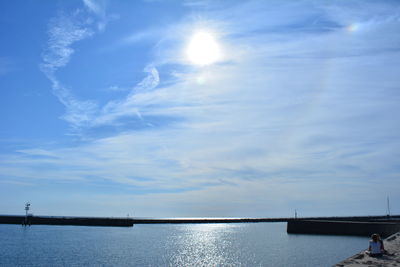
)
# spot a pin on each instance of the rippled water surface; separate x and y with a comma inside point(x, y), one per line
point(246, 244)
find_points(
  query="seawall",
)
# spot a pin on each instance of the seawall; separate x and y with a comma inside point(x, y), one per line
point(361, 228)
point(85, 221)
point(103, 221)
point(257, 220)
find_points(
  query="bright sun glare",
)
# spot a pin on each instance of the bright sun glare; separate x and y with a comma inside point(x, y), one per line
point(203, 49)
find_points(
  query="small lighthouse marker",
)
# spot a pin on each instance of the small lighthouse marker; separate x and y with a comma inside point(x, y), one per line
point(27, 206)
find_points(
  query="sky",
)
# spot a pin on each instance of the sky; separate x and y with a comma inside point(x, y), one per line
point(200, 108)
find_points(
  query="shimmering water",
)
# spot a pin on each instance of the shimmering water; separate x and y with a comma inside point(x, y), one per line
point(247, 244)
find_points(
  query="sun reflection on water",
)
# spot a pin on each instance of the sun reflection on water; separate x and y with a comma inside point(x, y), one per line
point(205, 245)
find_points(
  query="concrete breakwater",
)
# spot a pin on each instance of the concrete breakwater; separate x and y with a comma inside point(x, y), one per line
point(86, 221)
point(361, 228)
point(257, 220)
point(98, 221)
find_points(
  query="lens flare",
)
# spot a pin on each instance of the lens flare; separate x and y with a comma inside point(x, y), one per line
point(353, 27)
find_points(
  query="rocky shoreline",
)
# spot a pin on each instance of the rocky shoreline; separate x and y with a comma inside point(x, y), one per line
point(392, 245)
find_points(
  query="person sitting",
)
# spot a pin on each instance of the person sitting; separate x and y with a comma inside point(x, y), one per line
point(375, 248)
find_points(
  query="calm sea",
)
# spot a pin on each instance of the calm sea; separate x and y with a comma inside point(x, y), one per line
point(245, 244)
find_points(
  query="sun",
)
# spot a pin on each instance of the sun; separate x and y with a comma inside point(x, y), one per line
point(203, 49)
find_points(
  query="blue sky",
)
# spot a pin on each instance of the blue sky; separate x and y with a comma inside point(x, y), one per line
point(104, 112)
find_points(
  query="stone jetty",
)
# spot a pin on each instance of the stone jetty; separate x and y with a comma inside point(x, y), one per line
point(391, 259)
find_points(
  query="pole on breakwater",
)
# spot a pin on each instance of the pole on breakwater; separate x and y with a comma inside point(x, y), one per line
point(27, 207)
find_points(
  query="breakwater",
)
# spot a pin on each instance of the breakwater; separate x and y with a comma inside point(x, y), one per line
point(257, 220)
point(86, 221)
point(104, 221)
point(361, 228)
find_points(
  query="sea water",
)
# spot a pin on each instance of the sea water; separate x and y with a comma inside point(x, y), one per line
point(238, 244)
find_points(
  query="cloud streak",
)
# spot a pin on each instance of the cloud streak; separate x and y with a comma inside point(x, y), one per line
point(64, 32)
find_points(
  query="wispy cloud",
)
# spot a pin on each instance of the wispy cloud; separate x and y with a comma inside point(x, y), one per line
point(98, 7)
point(118, 88)
point(131, 104)
point(63, 32)
point(150, 34)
